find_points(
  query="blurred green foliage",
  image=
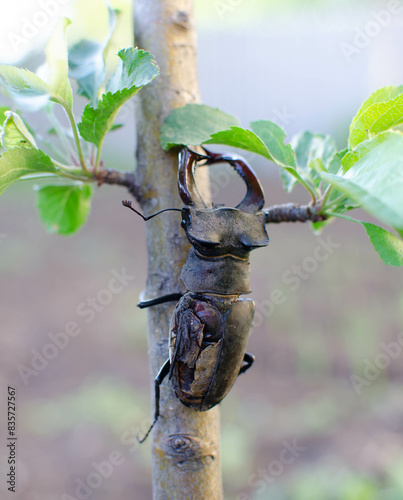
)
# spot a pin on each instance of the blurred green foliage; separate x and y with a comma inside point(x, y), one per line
point(228, 9)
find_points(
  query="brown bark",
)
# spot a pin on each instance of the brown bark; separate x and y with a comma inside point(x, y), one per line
point(292, 213)
point(185, 443)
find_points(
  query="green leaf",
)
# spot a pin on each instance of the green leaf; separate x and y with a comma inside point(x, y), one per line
point(318, 227)
point(376, 118)
point(318, 167)
point(3, 109)
point(388, 246)
point(117, 126)
point(351, 157)
point(238, 137)
point(312, 152)
point(56, 57)
point(271, 146)
point(95, 123)
point(64, 209)
point(334, 202)
point(22, 82)
point(273, 137)
point(15, 133)
point(86, 66)
point(266, 139)
point(18, 162)
point(375, 181)
point(334, 164)
point(381, 95)
point(137, 69)
point(309, 147)
point(193, 124)
point(288, 180)
point(86, 57)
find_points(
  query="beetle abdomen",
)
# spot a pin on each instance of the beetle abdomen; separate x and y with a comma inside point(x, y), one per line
point(207, 347)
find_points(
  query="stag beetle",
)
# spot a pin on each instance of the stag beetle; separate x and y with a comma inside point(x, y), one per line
point(210, 324)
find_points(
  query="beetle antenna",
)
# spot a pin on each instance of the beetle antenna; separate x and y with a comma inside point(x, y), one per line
point(128, 204)
point(141, 441)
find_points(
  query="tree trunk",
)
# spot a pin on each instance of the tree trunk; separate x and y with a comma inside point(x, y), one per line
point(185, 443)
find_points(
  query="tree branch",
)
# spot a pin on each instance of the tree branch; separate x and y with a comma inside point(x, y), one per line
point(292, 213)
point(126, 179)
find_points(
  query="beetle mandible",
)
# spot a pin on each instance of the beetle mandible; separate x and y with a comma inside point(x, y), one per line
point(211, 322)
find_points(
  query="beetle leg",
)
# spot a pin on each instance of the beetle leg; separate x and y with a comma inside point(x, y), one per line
point(170, 297)
point(164, 370)
point(248, 359)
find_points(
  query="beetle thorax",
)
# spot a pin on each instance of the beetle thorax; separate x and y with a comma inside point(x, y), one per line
point(222, 239)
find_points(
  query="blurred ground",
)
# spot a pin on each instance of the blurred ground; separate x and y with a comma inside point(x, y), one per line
point(297, 426)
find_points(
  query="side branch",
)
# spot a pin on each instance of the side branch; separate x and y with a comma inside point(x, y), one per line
point(292, 213)
point(126, 179)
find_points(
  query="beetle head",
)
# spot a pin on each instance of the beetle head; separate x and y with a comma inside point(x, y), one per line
point(217, 231)
point(222, 231)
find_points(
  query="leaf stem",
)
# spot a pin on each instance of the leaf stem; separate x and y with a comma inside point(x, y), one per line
point(72, 170)
point(60, 133)
point(76, 177)
point(341, 216)
point(304, 183)
point(101, 142)
point(75, 132)
point(336, 200)
point(98, 158)
point(326, 196)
